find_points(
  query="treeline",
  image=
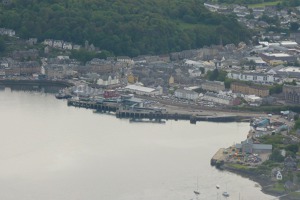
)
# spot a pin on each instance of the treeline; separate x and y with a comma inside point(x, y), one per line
point(124, 27)
point(280, 3)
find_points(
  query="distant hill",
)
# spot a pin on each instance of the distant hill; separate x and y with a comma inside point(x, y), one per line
point(124, 27)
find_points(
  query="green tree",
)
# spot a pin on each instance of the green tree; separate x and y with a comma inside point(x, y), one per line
point(276, 156)
point(276, 89)
point(294, 26)
point(2, 45)
point(293, 148)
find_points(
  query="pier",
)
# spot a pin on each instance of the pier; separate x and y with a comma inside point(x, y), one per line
point(101, 107)
point(122, 111)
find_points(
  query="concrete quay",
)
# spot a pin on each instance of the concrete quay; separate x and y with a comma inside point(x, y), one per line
point(151, 113)
point(218, 158)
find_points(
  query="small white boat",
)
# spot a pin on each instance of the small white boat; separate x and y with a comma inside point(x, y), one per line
point(225, 194)
point(217, 186)
point(196, 192)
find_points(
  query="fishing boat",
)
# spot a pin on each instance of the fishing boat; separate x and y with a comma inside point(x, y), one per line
point(62, 95)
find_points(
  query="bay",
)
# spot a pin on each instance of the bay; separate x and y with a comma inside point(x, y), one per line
point(51, 151)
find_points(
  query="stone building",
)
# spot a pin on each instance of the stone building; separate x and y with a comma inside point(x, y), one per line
point(291, 93)
point(249, 89)
point(214, 86)
point(186, 94)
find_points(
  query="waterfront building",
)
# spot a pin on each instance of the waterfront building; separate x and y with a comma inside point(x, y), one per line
point(186, 94)
point(243, 88)
point(248, 146)
point(214, 86)
point(220, 99)
point(141, 90)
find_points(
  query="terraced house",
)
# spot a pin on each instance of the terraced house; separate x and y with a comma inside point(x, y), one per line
point(245, 89)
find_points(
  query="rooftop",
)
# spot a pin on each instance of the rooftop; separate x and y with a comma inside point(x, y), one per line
point(139, 88)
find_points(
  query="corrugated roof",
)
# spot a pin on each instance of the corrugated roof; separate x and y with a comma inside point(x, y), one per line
point(139, 88)
point(262, 146)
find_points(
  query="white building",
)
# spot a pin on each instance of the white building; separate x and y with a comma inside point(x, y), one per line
point(258, 61)
point(58, 43)
point(141, 90)
point(109, 81)
point(125, 59)
point(291, 72)
point(67, 45)
point(186, 94)
point(289, 44)
point(218, 98)
point(76, 47)
point(253, 100)
point(9, 32)
point(254, 77)
point(194, 73)
point(279, 175)
point(48, 42)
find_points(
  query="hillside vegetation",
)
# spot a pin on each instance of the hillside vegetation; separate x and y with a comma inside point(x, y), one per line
point(123, 27)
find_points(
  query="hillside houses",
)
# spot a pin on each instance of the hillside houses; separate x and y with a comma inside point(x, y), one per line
point(278, 56)
point(60, 44)
point(8, 32)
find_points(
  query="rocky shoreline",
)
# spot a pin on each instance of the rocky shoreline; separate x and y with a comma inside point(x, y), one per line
point(264, 182)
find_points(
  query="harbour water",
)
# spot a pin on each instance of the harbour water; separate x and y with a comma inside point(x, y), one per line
point(50, 151)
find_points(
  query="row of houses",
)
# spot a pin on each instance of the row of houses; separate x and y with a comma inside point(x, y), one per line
point(60, 44)
point(220, 99)
point(254, 77)
point(243, 88)
point(9, 32)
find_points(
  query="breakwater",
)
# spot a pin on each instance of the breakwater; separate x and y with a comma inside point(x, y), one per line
point(150, 113)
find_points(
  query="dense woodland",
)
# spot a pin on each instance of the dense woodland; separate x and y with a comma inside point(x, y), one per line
point(123, 27)
point(285, 3)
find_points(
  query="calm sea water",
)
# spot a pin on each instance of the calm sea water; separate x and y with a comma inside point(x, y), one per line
point(49, 151)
